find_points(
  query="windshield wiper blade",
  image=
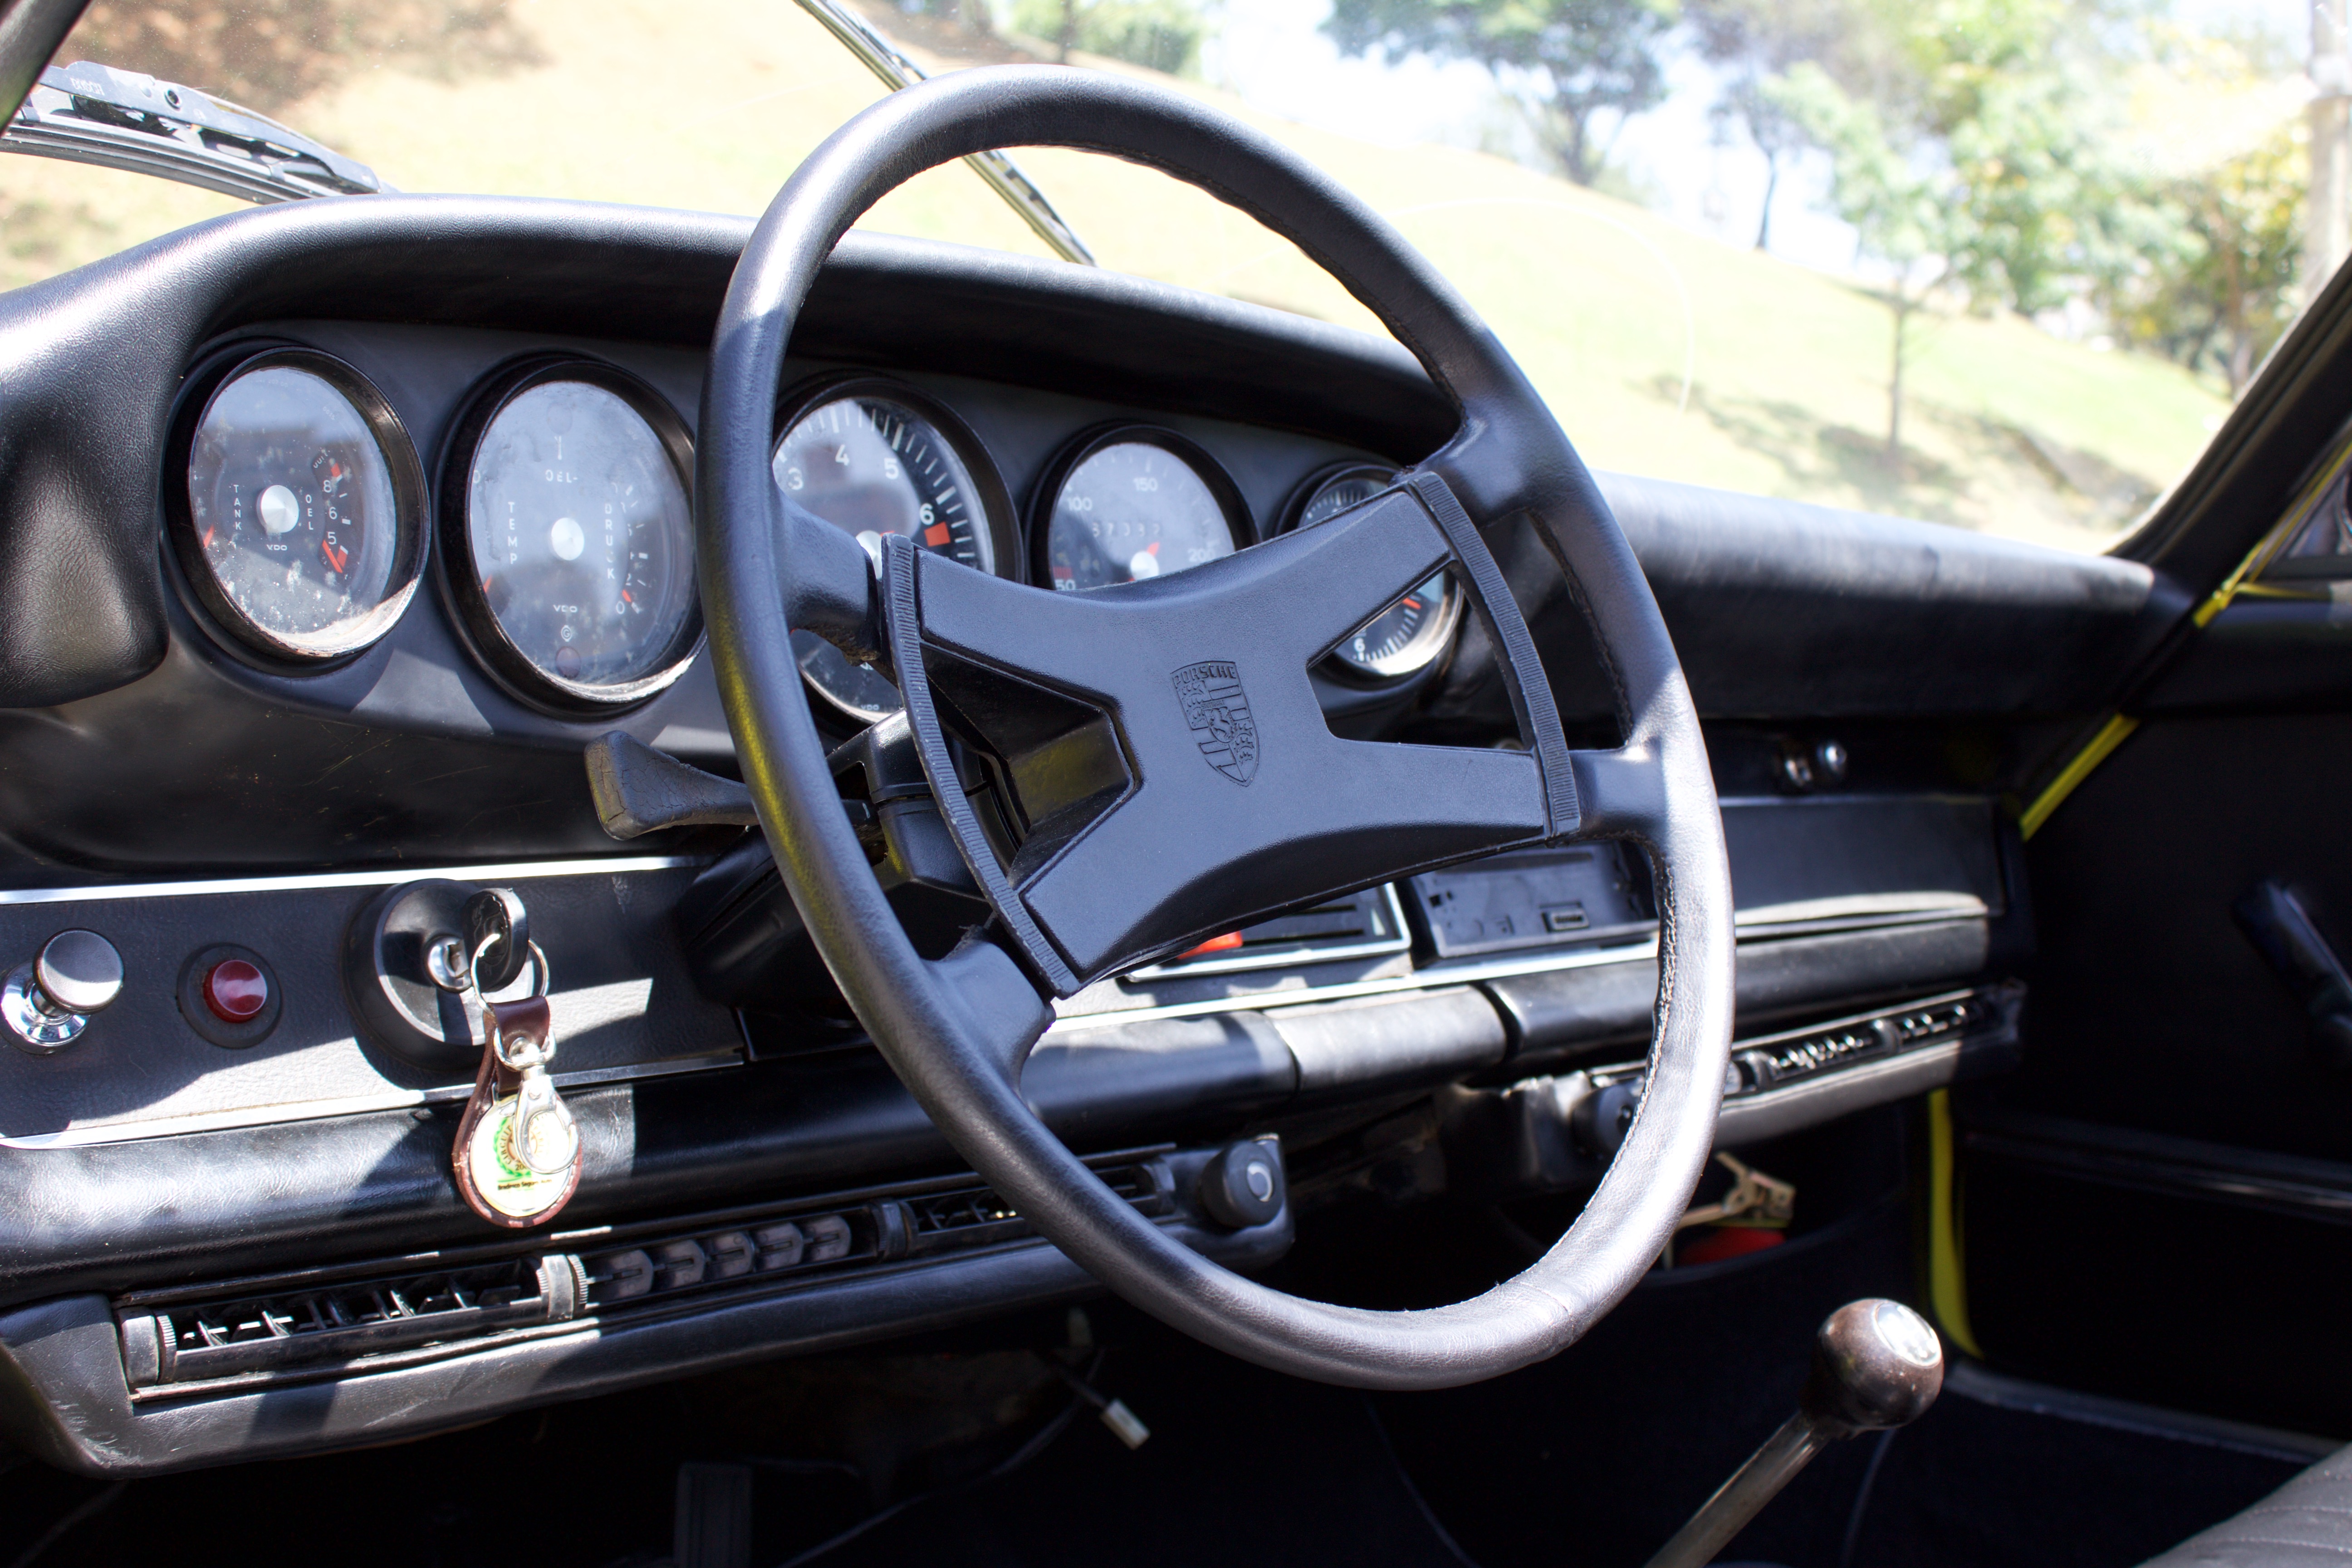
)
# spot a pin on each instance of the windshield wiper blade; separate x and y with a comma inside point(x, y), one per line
point(90, 114)
point(1002, 176)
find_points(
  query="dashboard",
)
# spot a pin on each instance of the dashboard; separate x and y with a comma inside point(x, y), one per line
point(402, 528)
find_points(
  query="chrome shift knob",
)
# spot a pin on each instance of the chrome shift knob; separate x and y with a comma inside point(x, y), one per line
point(1876, 1364)
point(47, 1002)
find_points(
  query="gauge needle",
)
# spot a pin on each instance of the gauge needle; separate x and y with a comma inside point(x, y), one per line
point(338, 559)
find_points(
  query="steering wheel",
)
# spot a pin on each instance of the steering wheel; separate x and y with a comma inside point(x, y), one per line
point(1162, 747)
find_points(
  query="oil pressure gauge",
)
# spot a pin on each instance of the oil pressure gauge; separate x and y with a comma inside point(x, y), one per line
point(302, 528)
point(567, 535)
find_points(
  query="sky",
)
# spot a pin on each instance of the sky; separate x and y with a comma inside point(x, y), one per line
point(1274, 53)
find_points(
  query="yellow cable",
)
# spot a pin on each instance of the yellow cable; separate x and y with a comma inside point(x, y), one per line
point(2111, 734)
point(1947, 1289)
point(2120, 726)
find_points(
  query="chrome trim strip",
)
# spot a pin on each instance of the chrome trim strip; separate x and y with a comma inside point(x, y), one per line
point(350, 1105)
point(1288, 957)
point(1500, 968)
point(513, 870)
point(1419, 980)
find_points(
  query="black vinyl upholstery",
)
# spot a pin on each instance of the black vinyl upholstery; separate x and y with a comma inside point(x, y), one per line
point(2304, 1524)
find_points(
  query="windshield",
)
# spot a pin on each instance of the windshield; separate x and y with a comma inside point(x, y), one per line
point(2003, 264)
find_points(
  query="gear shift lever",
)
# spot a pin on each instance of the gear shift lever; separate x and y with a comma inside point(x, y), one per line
point(1876, 1364)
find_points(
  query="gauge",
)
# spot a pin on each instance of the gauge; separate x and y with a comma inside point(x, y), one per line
point(872, 457)
point(303, 531)
point(568, 538)
point(1409, 633)
point(1131, 502)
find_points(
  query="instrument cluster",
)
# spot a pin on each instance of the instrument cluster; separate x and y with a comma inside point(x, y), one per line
point(561, 530)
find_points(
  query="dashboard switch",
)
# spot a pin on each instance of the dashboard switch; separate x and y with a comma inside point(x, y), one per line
point(49, 1002)
point(1243, 1186)
point(235, 991)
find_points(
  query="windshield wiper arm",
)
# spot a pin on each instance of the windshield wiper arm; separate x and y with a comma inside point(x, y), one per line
point(89, 114)
point(1003, 176)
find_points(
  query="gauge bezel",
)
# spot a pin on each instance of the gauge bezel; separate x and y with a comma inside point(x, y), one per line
point(1436, 634)
point(407, 471)
point(1087, 443)
point(492, 649)
point(994, 499)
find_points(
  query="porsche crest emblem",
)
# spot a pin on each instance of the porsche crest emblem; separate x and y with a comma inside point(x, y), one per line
point(1217, 708)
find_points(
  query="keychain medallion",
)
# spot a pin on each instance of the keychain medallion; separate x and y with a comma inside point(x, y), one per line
point(518, 1156)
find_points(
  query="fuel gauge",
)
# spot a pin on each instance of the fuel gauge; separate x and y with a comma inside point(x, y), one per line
point(568, 534)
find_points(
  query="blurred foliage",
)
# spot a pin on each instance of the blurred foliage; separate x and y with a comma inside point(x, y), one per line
point(1158, 35)
point(1980, 152)
point(1752, 43)
point(1566, 64)
point(2223, 289)
point(2216, 287)
point(268, 54)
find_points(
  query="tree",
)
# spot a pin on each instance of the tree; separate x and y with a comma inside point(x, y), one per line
point(1159, 34)
point(1564, 63)
point(2227, 163)
point(1981, 162)
point(1752, 43)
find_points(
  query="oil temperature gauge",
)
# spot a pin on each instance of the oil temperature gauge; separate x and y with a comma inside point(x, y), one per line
point(1409, 633)
point(301, 530)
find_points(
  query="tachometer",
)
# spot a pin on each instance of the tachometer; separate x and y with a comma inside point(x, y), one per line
point(873, 457)
point(303, 531)
point(568, 539)
point(1414, 630)
point(1134, 501)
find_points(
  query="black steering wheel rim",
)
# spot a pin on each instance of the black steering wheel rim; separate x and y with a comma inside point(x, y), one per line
point(957, 1029)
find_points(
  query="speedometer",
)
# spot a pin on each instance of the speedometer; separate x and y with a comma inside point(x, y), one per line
point(1130, 502)
point(873, 457)
point(567, 535)
point(303, 531)
point(1411, 633)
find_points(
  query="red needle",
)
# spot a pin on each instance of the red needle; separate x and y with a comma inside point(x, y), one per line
point(338, 559)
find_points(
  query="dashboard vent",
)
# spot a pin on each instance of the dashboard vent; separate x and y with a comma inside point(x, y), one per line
point(196, 1340)
point(206, 1340)
point(1761, 1065)
point(976, 1216)
point(1362, 925)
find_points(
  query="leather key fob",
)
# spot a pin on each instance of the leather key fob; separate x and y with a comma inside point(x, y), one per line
point(498, 1178)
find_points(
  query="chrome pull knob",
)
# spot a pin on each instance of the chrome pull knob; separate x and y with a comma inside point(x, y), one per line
point(47, 1003)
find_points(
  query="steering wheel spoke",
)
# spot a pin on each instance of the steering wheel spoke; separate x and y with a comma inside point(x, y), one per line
point(826, 582)
point(1002, 1016)
point(1622, 794)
